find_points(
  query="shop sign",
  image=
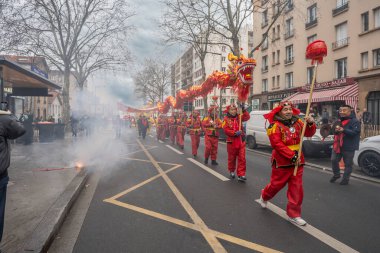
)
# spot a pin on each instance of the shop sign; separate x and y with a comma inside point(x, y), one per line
point(38, 71)
point(8, 90)
point(280, 96)
point(331, 84)
point(255, 104)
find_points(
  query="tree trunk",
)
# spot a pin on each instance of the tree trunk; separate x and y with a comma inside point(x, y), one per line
point(66, 93)
point(205, 105)
point(236, 47)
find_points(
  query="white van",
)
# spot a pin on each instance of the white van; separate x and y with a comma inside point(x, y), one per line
point(256, 131)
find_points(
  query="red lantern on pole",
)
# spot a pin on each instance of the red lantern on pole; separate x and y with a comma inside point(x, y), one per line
point(316, 50)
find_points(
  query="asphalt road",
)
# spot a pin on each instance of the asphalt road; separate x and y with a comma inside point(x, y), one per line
point(153, 199)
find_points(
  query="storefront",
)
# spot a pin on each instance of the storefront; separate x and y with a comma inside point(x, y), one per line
point(259, 102)
point(327, 95)
point(274, 98)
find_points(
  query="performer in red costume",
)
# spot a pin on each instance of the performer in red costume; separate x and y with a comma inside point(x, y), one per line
point(172, 122)
point(232, 125)
point(284, 134)
point(194, 125)
point(181, 129)
point(161, 127)
point(211, 126)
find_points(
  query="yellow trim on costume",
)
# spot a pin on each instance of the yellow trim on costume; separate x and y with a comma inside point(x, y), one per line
point(294, 147)
point(271, 129)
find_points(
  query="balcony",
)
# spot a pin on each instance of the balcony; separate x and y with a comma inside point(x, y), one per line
point(264, 69)
point(340, 43)
point(289, 60)
point(289, 34)
point(311, 23)
point(289, 8)
point(340, 9)
point(264, 24)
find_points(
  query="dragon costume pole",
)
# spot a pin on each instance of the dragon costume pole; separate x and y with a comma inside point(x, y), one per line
point(314, 51)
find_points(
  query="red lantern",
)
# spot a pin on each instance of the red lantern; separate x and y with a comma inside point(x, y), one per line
point(214, 98)
point(316, 50)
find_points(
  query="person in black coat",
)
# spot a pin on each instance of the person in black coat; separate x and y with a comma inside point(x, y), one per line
point(346, 132)
point(10, 128)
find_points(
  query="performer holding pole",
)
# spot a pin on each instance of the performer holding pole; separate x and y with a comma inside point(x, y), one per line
point(181, 129)
point(286, 132)
point(211, 126)
point(194, 125)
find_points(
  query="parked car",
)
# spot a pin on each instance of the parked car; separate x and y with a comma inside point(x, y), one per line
point(257, 135)
point(368, 156)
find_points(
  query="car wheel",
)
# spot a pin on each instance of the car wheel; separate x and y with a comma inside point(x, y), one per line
point(370, 163)
point(251, 142)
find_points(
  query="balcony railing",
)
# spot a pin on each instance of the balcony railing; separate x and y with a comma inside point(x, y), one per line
point(289, 7)
point(340, 9)
point(289, 60)
point(311, 23)
point(289, 34)
point(341, 43)
point(264, 69)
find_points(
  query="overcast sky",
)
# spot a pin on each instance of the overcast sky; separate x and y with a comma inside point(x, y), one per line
point(145, 42)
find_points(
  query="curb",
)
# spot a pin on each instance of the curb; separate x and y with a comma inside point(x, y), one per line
point(316, 166)
point(40, 239)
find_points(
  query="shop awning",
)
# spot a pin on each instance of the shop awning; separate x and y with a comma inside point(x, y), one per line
point(21, 80)
point(349, 94)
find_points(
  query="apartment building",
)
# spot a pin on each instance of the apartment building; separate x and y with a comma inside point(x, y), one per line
point(350, 72)
point(183, 77)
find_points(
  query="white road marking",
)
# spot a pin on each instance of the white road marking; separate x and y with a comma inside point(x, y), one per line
point(151, 136)
point(212, 172)
point(175, 150)
point(161, 141)
point(315, 232)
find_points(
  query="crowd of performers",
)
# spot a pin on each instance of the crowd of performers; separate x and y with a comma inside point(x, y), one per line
point(284, 132)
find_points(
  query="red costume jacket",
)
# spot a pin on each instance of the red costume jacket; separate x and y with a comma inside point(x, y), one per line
point(231, 125)
point(209, 129)
point(194, 125)
point(285, 140)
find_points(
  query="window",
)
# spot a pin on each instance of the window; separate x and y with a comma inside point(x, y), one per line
point(264, 84)
point(278, 81)
point(311, 38)
point(224, 101)
point(340, 3)
point(223, 48)
point(224, 91)
point(273, 81)
point(278, 57)
point(264, 21)
point(289, 80)
point(312, 13)
point(265, 43)
point(289, 54)
point(232, 101)
point(310, 73)
point(364, 60)
point(278, 31)
point(223, 58)
point(376, 14)
point(289, 6)
point(265, 63)
point(273, 58)
point(276, 7)
point(341, 68)
point(224, 69)
point(365, 22)
point(289, 28)
point(376, 57)
point(341, 35)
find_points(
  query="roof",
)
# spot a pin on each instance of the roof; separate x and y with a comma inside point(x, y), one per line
point(16, 76)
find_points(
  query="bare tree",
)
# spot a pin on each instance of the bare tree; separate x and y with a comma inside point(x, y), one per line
point(191, 22)
point(152, 83)
point(58, 29)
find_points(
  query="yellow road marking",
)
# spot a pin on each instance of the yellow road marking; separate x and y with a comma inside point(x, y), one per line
point(211, 239)
point(223, 236)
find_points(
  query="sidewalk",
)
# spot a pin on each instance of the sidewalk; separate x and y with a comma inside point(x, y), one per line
point(40, 177)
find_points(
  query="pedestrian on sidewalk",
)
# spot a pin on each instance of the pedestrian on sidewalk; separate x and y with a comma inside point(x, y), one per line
point(10, 129)
point(233, 127)
point(211, 126)
point(346, 132)
point(194, 125)
point(284, 133)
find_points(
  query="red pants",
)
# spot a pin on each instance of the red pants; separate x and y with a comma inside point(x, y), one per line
point(238, 153)
point(173, 134)
point(278, 180)
point(180, 136)
point(211, 147)
point(195, 139)
point(161, 133)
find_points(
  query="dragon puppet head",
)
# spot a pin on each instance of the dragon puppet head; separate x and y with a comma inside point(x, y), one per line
point(242, 67)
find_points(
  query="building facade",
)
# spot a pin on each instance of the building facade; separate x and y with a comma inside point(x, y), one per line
point(187, 71)
point(350, 72)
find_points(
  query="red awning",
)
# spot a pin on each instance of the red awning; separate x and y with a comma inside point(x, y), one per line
point(349, 94)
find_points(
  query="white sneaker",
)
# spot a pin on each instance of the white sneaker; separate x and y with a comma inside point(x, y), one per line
point(262, 202)
point(298, 221)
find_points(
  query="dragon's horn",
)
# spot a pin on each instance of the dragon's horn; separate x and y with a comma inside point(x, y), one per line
point(232, 57)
